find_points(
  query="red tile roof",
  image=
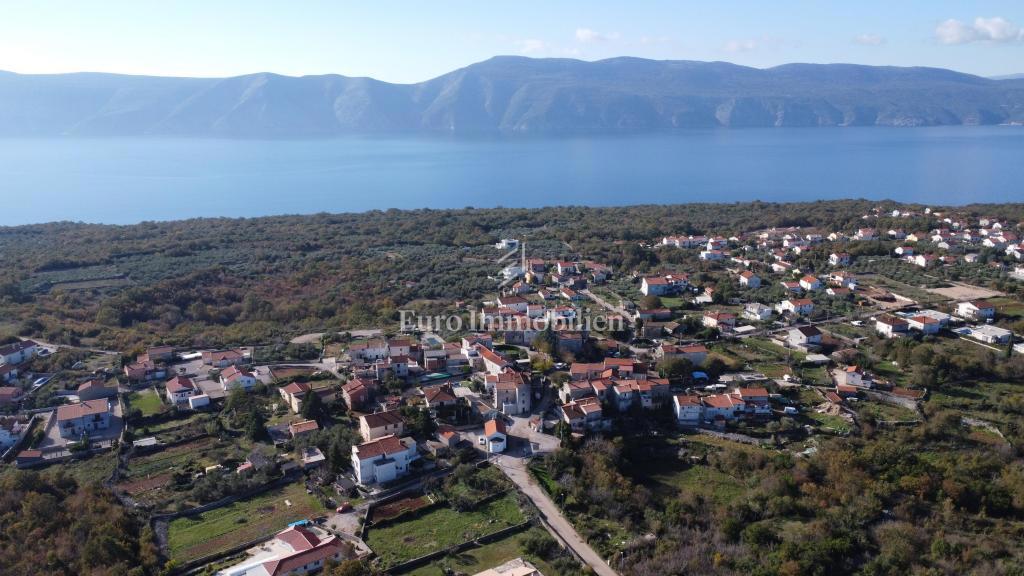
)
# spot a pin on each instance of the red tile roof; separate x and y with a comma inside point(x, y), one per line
point(492, 427)
point(381, 446)
point(82, 409)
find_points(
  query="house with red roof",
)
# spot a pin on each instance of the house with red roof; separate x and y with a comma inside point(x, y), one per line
point(179, 389)
point(296, 551)
point(235, 377)
point(380, 424)
point(495, 436)
point(73, 420)
point(383, 460)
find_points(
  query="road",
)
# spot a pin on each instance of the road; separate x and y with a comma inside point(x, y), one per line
point(515, 469)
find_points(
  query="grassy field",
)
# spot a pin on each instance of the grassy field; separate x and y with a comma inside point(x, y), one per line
point(147, 401)
point(882, 411)
point(224, 527)
point(484, 557)
point(674, 477)
point(832, 421)
point(441, 528)
point(94, 469)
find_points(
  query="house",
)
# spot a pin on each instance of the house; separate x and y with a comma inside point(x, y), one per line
point(924, 324)
point(689, 409)
point(179, 389)
point(441, 396)
point(12, 428)
point(839, 259)
point(567, 268)
point(73, 420)
point(655, 286)
point(810, 283)
point(296, 551)
point(297, 429)
point(368, 350)
point(160, 353)
point(904, 251)
point(223, 358)
point(356, 392)
point(712, 255)
point(791, 286)
point(724, 406)
point(847, 391)
point(143, 370)
point(584, 414)
point(852, 376)
point(380, 424)
point(755, 401)
point(383, 459)
point(865, 234)
point(296, 392)
point(496, 436)
point(990, 334)
point(757, 312)
point(720, 320)
point(749, 280)
point(517, 303)
point(234, 377)
point(18, 352)
point(805, 338)
point(95, 389)
point(494, 363)
point(976, 310)
point(924, 260)
point(512, 393)
point(9, 395)
point(799, 306)
point(8, 372)
point(647, 393)
point(514, 567)
point(695, 353)
point(891, 326)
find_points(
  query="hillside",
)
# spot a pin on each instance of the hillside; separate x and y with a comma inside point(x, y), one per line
point(505, 95)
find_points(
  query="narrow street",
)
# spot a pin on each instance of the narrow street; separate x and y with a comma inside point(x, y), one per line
point(515, 469)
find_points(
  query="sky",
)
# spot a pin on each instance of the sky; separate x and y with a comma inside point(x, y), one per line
point(416, 40)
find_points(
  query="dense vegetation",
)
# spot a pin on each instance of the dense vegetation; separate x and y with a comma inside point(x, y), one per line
point(222, 282)
point(50, 525)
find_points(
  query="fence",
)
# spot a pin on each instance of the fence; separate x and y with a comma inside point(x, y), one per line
point(455, 549)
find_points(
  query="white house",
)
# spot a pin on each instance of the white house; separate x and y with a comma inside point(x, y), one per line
point(757, 312)
point(810, 283)
point(383, 459)
point(976, 310)
point(235, 377)
point(689, 409)
point(695, 353)
point(891, 326)
point(496, 436)
point(924, 324)
point(750, 280)
point(852, 376)
point(805, 337)
point(839, 259)
point(799, 306)
point(990, 334)
point(179, 389)
point(18, 352)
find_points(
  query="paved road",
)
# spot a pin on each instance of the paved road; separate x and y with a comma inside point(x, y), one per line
point(515, 468)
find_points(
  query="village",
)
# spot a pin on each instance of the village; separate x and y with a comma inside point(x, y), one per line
point(413, 447)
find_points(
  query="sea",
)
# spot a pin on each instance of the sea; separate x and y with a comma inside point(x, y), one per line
point(125, 181)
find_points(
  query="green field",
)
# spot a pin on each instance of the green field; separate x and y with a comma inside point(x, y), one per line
point(882, 411)
point(148, 401)
point(219, 529)
point(441, 528)
point(487, 556)
point(676, 477)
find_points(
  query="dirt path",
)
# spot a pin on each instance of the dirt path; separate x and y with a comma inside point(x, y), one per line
point(515, 469)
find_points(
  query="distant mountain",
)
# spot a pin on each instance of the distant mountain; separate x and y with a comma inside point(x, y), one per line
point(1008, 77)
point(506, 95)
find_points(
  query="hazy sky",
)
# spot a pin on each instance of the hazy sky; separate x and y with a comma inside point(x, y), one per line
point(415, 40)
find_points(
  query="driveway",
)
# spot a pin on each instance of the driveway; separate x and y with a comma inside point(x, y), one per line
point(515, 469)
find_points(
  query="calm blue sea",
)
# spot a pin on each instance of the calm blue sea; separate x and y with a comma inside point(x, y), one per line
point(131, 180)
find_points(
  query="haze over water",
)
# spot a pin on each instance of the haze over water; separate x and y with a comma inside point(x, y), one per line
point(121, 181)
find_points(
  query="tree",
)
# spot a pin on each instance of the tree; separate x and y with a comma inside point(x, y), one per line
point(313, 407)
point(256, 429)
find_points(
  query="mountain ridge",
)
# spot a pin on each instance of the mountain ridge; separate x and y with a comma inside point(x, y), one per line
point(506, 94)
